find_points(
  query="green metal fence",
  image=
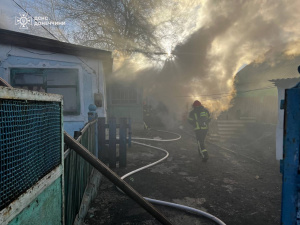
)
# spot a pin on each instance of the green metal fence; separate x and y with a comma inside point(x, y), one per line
point(78, 171)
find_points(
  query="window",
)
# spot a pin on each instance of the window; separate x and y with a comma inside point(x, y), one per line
point(121, 94)
point(55, 81)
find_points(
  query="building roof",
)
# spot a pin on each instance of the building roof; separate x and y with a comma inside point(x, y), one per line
point(35, 42)
point(286, 82)
point(259, 75)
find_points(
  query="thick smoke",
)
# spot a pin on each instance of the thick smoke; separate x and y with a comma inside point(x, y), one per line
point(232, 34)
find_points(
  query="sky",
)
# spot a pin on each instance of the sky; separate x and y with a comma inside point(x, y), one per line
point(8, 11)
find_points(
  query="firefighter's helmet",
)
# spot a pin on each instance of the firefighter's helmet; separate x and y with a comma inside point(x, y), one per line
point(196, 103)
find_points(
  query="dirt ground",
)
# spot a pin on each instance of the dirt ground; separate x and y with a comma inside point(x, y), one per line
point(240, 184)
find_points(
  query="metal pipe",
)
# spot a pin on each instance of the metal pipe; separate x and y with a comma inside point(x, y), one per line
point(114, 178)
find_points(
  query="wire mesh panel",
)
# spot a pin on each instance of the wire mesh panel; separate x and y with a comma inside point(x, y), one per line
point(30, 145)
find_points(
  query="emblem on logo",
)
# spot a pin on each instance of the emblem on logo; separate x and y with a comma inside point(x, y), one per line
point(23, 20)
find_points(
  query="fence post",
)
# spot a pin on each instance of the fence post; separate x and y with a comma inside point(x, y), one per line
point(122, 142)
point(129, 132)
point(101, 139)
point(77, 134)
point(112, 143)
point(92, 114)
point(93, 139)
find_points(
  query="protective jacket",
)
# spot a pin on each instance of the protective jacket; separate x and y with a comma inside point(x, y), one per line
point(147, 110)
point(199, 117)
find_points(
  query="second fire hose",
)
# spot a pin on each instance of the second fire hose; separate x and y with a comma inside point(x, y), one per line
point(114, 178)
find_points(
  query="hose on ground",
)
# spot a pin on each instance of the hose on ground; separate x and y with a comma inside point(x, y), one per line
point(114, 178)
point(187, 209)
point(160, 140)
point(164, 203)
point(149, 165)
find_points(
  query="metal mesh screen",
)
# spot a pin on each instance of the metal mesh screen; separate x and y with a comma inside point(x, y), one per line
point(30, 145)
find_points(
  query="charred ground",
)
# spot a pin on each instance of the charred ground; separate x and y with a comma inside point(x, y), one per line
point(240, 184)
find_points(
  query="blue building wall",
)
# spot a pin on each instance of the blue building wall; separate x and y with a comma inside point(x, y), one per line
point(289, 165)
point(90, 76)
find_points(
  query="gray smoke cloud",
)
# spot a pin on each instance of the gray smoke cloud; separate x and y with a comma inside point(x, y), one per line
point(232, 34)
point(210, 40)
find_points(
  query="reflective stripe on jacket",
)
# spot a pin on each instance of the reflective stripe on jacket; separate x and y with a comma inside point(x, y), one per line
point(199, 117)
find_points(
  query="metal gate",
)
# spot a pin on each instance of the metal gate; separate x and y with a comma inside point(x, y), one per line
point(290, 211)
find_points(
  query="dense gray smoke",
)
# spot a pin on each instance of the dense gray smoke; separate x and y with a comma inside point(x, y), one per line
point(210, 40)
point(232, 34)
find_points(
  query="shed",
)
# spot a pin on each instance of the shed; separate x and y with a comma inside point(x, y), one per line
point(51, 66)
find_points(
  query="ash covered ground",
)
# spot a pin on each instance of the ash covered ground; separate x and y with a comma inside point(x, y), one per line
point(240, 183)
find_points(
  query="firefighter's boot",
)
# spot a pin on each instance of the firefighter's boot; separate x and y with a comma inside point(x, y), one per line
point(145, 126)
point(205, 155)
point(199, 149)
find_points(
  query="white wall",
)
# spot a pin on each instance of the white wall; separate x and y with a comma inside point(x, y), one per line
point(90, 71)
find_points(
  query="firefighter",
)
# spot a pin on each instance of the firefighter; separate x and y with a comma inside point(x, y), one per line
point(147, 111)
point(199, 117)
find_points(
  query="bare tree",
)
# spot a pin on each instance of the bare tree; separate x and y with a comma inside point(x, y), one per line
point(115, 24)
point(152, 27)
point(123, 25)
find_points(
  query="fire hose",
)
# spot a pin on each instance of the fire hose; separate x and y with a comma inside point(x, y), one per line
point(122, 185)
point(164, 203)
point(114, 178)
point(126, 188)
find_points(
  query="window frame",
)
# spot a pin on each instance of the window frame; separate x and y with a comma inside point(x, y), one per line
point(43, 72)
point(127, 94)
